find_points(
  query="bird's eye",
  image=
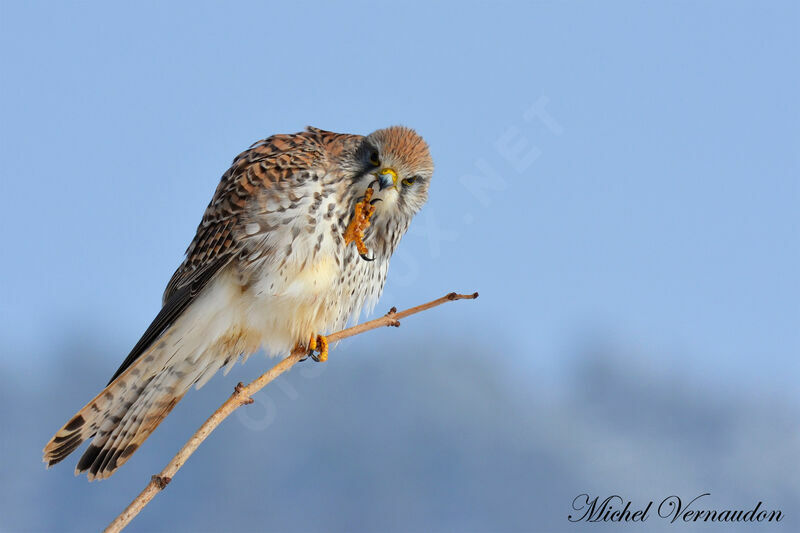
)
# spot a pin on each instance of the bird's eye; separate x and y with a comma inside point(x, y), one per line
point(374, 158)
point(409, 181)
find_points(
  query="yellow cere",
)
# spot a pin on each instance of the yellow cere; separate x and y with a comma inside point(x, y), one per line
point(391, 172)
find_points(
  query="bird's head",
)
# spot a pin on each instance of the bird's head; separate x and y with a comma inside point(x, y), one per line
point(397, 163)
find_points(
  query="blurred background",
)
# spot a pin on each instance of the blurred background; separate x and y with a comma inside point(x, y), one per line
point(619, 181)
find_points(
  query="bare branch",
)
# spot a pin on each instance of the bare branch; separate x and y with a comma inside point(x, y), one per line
point(242, 396)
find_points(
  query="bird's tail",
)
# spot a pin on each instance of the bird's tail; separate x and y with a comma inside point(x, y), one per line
point(127, 411)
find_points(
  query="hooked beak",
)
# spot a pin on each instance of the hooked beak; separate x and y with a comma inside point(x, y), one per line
point(387, 178)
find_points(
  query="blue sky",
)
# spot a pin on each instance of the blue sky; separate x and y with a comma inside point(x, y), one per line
point(661, 208)
point(623, 174)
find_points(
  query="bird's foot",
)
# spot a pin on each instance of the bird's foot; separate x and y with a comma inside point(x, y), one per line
point(364, 210)
point(318, 348)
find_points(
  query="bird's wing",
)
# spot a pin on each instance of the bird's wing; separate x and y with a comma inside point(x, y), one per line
point(220, 237)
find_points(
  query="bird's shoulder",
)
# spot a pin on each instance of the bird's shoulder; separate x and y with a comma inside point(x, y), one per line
point(277, 162)
point(270, 171)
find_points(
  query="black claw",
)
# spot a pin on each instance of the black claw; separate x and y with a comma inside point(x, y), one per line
point(365, 258)
point(312, 355)
point(373, 183)
point(375, 201)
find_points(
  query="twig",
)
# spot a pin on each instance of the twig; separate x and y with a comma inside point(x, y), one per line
point(242, 396)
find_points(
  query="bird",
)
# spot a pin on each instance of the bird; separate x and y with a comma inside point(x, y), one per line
point(295, 242)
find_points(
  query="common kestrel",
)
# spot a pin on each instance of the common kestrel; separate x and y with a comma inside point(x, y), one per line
point(295, 242)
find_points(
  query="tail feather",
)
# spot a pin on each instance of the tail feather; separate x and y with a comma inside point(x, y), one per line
point(109, 451)
point(80, 427)
point(124, 414)
point(103, 458)
point(65, 442)
point(108, 444)
point(119, 419)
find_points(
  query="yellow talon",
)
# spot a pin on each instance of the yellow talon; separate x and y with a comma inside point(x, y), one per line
point(312, 344)
point(360, 222)
point(323, 348)
point(318, 343)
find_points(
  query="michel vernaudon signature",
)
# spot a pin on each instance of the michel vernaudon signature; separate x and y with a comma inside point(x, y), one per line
point(672, 508)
